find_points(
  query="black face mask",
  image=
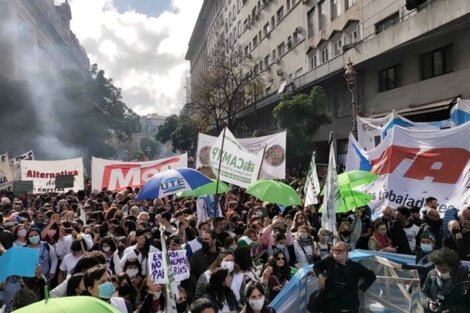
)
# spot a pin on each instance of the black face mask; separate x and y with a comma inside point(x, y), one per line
point(205, 247)
point(181, 307)
point(124, 290)
point(346, 233)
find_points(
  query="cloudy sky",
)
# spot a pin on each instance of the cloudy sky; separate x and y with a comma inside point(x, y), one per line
point(141, 45)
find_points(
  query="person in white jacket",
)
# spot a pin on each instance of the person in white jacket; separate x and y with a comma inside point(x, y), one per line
point(139, 251)
point(306, 249)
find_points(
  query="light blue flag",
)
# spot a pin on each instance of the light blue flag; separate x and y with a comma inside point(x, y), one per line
point(18, 261)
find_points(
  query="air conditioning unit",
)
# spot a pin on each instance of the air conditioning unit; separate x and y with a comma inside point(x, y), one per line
point(280, 72)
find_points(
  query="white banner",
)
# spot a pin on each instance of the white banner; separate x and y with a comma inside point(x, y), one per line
point(369, 130)
point(237, 165)
point(117, 175)
point(178, 262)
point(43, 174)
point(332, 197)
point(6, 174)
point(15, 163)
point(274, 163)
point(415, 164)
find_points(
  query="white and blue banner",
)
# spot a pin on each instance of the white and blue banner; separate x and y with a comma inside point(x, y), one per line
point(414, 164)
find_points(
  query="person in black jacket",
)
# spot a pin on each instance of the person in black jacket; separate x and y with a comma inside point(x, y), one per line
point(446, 288)
point(455, 241)
point(218, 291)
point(338, 279)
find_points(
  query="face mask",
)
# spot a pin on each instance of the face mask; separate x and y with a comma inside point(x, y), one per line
point(229, 265)
point(346, 233)
point(303, 235)
point(443, 275)
point(181, 307)
point(256, 305)
point(205, 246)
point(124, 290)
point(106, 249)
point(132, 272)
point(22, 233)
point(106, 290)
point(34, 240)
point(157, 295)
point(280, 246)
point(426, 247)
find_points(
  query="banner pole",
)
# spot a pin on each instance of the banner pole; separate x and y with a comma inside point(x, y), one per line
point(262, 160)
point(218, 169)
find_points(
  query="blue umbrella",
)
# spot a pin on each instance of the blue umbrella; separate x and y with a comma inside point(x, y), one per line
point(172, 181)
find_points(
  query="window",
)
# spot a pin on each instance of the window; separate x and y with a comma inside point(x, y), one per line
point(311, 22)
point(239, 28)
point(281, 49)
point(260, 66)
point(274, 55)
point(289, 43)
point(353, 36)
point(342, 102)
point(288, 5)
point(335, 9)
point(280, 14)
point(255, 41)
point(321, 14)
point(247, 50)
point(297, 36)
point(437, 62)
point(266, 61)
point(390, 78)
point(324, 55)
point(312, 60)
point(387, 22)
point(338, 47)
point(349, 3)
point(266, 29)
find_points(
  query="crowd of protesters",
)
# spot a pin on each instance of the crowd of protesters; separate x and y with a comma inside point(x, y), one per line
point(241, 253)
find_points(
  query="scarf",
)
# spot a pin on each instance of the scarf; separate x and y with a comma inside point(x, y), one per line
point(383, 240)
point(305, 241)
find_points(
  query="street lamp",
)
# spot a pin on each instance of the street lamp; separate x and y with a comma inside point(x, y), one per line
point(350, 76)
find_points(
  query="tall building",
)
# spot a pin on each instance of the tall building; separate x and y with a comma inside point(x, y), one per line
point(35, 36)
point(413, 59)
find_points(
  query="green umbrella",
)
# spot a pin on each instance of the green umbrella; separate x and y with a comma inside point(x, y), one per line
point(352, 179)
point(76, 304)
point(275, 192)
point(351, 200)
point(210, 188)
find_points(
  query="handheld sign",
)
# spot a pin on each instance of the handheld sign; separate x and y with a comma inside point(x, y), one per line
point(64, 181)
point(23, 187)
point(178, 262)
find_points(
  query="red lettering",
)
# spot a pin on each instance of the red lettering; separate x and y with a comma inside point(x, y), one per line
point(444, 165)
point(120, 176)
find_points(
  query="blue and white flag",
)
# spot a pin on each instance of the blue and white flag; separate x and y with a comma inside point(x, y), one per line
point(460, 113)
point(355, 157)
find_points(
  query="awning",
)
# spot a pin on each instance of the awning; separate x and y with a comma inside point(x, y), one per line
point(414, 109)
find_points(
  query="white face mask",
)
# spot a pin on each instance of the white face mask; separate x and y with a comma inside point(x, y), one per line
point(132, 272)
point(443, 275)
point(426, 247)
point(228, 265)
point(256, 305)
point(22, 233)
point(34, 240)
point(157, 295)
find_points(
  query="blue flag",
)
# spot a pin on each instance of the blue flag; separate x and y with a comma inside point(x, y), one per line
point(19, 261)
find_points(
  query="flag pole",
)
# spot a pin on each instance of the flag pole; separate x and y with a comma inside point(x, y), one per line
point(262, 160)
point(220, 163)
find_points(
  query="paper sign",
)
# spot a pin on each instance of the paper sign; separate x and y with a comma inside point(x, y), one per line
point(23, 187)
point(18, 261)
point(178, 261)
point(65, 181)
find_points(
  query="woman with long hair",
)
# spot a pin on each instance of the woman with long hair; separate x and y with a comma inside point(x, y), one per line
point(279, 273)
point(306, 249)
point(380, 240)
point(256, 299)
point(300, 219)
point(219, 292)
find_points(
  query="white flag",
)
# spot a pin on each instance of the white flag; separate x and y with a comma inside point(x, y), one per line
point(171, 285)
point(312, 185)
point(332, 197)
point(237, 166)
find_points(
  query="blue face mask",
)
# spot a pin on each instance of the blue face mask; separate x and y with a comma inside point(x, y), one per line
point(106, 290)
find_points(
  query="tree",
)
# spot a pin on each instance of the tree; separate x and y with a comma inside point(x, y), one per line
point(184, 138)
point(301, 115)
point(167, 128)
point(220, 92)
point(150, 147)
